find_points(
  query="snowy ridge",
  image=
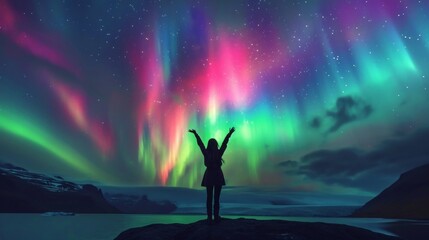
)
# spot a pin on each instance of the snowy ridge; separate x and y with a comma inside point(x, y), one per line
point(53, 184)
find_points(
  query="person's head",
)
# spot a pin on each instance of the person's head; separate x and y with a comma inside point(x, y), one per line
point(212, 145)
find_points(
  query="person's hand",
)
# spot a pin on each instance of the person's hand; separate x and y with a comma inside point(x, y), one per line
point(192, 131)
point(231, 130)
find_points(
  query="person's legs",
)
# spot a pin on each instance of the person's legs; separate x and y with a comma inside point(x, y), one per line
point(217, 190)
point(209, 202)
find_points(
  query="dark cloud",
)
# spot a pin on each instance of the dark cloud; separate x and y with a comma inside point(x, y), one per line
point(323, 163)
point(316, 122)
point(346, 110)
point(288, 163)
point(289, 166)
point(368, 170)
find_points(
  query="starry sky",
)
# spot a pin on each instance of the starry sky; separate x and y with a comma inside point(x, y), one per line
point(324, 95)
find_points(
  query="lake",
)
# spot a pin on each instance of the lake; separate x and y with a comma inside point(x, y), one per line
point(108, 226)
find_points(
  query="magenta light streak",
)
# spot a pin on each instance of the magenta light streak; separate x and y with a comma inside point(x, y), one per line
point(24, 37)
point(74, 103)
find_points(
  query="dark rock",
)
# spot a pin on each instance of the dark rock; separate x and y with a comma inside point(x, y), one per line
point(251, 229)
point(407, 198)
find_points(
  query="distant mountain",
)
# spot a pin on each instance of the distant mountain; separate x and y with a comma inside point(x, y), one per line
point(23, 191)
point(239, 201)
point(135, 204)
point(407, 198)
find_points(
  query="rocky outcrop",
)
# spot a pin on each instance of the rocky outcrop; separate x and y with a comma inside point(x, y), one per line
point(407, 198)
point(24, 192)
point(250, 229)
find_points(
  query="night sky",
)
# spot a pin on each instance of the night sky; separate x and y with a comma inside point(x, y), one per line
point(326, 96)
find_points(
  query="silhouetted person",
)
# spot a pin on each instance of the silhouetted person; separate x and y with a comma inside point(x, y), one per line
point(213, 176)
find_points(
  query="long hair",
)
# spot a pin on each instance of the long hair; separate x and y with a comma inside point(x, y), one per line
point(212, 146)
point(213, 152)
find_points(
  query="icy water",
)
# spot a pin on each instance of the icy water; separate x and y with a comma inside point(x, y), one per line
point(108, 226)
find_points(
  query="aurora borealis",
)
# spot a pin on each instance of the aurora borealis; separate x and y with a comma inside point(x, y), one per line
point(322, 93)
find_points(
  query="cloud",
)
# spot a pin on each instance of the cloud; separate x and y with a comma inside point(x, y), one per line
point(316, 122)
point(347, 109)
point(288, 166)
point(367, 170)
point(324, 163)
point(288, 163)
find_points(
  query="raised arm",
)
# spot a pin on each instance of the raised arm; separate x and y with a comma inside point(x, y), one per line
point(199, 141)
point(225, 141)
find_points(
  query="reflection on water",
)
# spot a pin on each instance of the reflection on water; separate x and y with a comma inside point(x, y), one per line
point(108, 226)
